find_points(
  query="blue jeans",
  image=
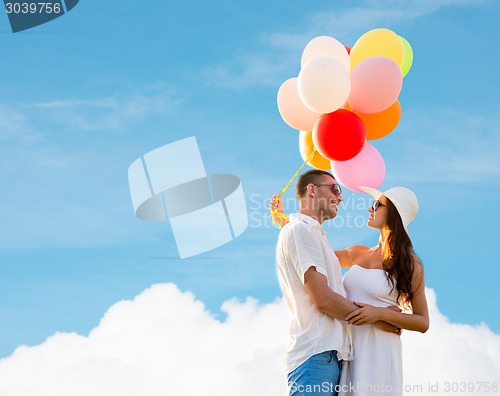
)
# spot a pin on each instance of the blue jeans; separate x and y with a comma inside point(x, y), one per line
point(318, 375)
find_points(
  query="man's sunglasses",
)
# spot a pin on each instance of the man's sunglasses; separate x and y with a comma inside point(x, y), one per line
point(334, 187)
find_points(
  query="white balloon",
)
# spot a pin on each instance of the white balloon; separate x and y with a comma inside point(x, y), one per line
point(324, 85)
point(326, 46)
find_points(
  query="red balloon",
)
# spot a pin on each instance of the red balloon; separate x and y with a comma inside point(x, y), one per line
point(339, 136)
point(348, 49)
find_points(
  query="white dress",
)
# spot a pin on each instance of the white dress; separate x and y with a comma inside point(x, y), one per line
point(376, 368)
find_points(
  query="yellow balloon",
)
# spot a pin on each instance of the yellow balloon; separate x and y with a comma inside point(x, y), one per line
point(378, 42)
point(306, 147)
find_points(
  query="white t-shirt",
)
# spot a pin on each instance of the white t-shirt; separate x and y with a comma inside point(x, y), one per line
point(302, 243)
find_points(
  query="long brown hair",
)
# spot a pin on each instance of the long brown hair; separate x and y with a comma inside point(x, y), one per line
point(398, 256)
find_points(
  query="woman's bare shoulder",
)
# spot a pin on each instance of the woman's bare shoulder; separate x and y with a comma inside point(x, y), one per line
point(357, 251)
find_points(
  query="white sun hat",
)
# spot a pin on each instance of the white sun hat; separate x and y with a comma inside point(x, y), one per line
point(403, 199)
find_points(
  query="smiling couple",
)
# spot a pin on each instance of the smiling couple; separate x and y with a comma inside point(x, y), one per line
point(345, 333)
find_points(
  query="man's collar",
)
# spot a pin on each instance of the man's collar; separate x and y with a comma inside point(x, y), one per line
point(305, 218)
point(308, 220)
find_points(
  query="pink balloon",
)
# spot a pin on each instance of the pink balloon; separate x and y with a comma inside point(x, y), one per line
point(295, 113)
point(365, 169)
point(376, 83)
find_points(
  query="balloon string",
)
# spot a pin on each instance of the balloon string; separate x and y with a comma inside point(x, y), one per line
point(275, 211)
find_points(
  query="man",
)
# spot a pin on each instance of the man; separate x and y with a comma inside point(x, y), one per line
point(311, 280)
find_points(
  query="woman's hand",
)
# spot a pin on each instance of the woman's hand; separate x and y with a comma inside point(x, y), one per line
point(371, 313)
point(366, 314)
point(388, 328)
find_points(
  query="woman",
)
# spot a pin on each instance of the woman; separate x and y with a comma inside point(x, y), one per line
point(379, 277)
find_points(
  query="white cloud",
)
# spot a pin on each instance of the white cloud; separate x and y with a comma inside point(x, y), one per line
point(14, 126)
point(350, 23)
point(108, 113)
point(450, 353)
point(247, 70)
point(165, 342)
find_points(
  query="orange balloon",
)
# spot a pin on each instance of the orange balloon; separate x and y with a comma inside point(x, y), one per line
point(382, 123)
point(306, 147)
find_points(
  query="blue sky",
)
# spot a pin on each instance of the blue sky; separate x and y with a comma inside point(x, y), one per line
point(85, 95)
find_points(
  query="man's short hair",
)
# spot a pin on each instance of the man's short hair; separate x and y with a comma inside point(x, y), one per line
point(313, 176)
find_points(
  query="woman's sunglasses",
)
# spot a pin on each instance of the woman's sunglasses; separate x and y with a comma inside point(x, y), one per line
point(377, 204)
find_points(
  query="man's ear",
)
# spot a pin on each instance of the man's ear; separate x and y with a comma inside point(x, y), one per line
point(311, 189)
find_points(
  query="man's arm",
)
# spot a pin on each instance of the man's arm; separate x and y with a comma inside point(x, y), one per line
point(331, 303)
point(324, 298)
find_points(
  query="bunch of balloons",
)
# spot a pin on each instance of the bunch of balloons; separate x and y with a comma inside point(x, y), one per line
point(343, 97)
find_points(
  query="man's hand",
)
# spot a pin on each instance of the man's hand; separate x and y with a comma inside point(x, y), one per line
point(277, 203)
point(277, 210)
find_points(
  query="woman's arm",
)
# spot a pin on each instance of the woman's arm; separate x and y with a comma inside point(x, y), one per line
point(344, 258)
point(418, 320)
point(348, 256)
